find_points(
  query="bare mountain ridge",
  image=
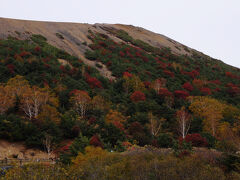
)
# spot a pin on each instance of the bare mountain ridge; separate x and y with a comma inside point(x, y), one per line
point(72, 37)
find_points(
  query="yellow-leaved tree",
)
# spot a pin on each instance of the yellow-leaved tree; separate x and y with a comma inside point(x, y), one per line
point(81, 102)
point(210, 109)
point(7, 99)
point(98, 102)
point(155, 124)
point(32, 100)
point(49, 113)
point(133, 83)
point(18, 85)
point(92, 163)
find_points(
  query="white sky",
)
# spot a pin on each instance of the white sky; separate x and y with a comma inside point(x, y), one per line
point(210, 26)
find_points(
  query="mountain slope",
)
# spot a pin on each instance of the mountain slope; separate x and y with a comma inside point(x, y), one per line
point(73, 36)
point(111, 86)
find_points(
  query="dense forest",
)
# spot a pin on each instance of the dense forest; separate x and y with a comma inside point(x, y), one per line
point(157, 100)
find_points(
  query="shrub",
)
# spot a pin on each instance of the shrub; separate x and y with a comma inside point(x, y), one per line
point(93, 82)
point(95, 141)
point(164, 92)
point(138, 96)
point(127, 74)
point(196, 139)
point(206, 91)
point(188, 86)
point(211, 140)
point(164, 140)
point(181, 94)
point(169, 73)
point(79, 145)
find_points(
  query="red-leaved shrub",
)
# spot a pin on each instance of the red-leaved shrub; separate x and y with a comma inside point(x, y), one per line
point(181, 94)
point(11, 68)
point(169, 73)
point(206, 91)
point(188, 86)
point(196, 139)
point(127, 74)
point(93, 82)
point(164, 92)
point(95, 141)
point(138, 96)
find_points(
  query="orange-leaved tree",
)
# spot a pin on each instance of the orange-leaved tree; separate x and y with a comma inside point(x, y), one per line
point(116, 118)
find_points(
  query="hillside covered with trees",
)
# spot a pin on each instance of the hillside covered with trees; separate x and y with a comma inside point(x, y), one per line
point(157, 99)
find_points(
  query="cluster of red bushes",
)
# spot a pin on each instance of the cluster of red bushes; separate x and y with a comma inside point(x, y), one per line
point(138, 96)
point(127, 74)
point(196, 139)
point(62, 68)
point(169, 73)
point(37, 49)
point(231, 75)
point(188, 86)
point(95, 141)
point(206, 91)
point(122, 54)
point(164, 92)
point(11, 68)
point(181, 94)
point(233, 89)
point(93, 82)
point(24, 53)
point(162, 65)
point(147, 84)
point(193, 74)
point(118, 125)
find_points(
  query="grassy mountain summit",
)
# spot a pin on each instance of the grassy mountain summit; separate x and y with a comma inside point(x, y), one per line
point(114, 87)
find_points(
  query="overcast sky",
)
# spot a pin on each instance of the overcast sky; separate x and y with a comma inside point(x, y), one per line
point(210, 26)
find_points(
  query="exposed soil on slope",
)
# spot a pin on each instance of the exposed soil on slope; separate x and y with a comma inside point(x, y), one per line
point(11, 150)
point(72, 37)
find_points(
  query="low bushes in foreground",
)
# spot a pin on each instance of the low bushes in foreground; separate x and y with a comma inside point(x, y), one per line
point(97, 163)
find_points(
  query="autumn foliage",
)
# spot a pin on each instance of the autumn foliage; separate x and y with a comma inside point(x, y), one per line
point(206, 91)
point(188, 86)
point(7, 99)
point(195, 139)
point(95, 141)
point(164, 92)
point(81, 101)
point(138, 96)
point(181, 94)
point(210, 109)
point(116, 118)
point(93, 82)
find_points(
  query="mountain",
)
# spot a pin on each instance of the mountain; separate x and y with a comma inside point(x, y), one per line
point(73, 35)
point(112, 86)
